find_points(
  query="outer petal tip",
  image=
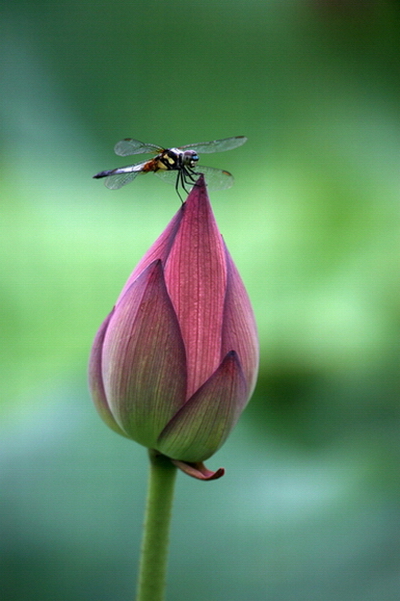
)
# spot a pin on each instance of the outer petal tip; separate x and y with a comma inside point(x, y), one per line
point(198, 470)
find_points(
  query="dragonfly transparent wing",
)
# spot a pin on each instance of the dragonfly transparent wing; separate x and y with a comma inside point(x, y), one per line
point(116, 178)
point(128, 146)
point(114, 182)
point(217, 145)
point(216, 179)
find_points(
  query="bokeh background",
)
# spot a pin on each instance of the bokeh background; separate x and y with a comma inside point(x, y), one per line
point(309, 506)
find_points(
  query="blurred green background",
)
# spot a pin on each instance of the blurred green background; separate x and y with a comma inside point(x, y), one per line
point(309, 506)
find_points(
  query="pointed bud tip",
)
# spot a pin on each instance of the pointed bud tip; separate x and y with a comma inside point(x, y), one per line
point(199, 189)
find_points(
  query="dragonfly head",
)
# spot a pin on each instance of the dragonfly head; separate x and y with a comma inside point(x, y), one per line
point(190, 158)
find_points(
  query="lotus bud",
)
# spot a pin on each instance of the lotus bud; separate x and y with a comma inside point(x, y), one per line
point(175, 362)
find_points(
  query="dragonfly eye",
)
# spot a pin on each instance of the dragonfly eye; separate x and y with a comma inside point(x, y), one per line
point(190, 158)
point(193, 160)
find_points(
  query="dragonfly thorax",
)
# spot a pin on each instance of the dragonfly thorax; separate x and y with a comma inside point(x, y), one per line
point(182, 158)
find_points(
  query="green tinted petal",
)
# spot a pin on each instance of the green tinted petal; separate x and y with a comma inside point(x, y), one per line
point(144, 363)
point(202, 425)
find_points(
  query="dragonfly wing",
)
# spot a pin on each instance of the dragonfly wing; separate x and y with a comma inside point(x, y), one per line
point(128, 146)
point(116, 181)
point(216, 179)
point(217, 145)
point(168, 176)
point(117, 178)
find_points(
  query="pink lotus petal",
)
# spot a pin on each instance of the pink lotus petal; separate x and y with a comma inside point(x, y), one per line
point(202, 425)
point(158, 250)
point(195, 274)
point(239, 329)
point(96, 378)
point(143, 362)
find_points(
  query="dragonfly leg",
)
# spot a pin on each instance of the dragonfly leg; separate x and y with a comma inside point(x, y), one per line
point(190, 177)
point(186, 179)
point(178, 181)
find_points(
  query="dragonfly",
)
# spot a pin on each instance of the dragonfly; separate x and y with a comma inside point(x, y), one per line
point(174, 165)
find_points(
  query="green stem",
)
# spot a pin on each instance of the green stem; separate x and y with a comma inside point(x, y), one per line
point(154, 553)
